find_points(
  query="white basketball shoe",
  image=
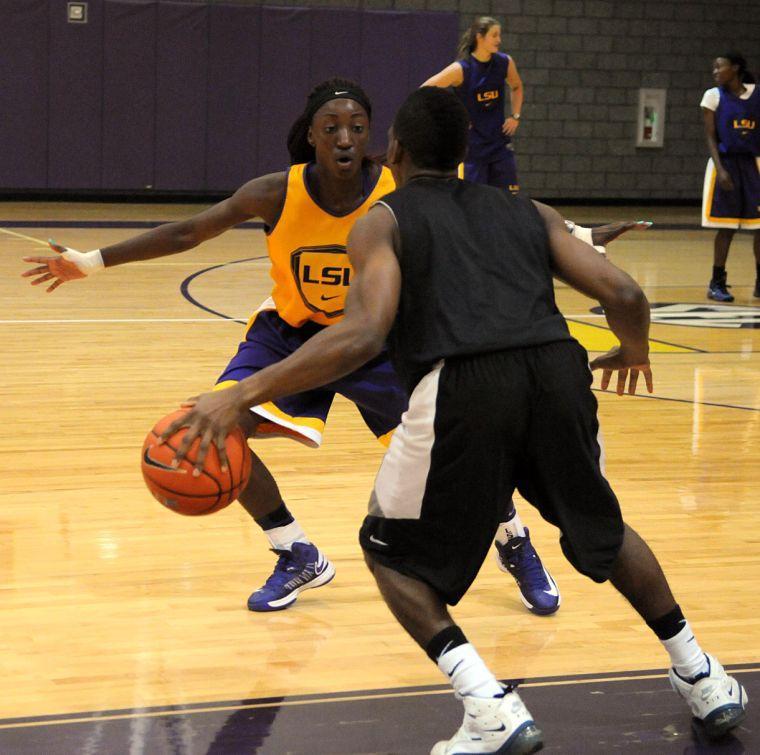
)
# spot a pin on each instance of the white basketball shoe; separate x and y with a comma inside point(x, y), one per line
point(500, 725)
point(716, 699)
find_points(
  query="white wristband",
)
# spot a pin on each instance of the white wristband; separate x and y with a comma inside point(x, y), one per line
point(88, 263)
point(586, 234)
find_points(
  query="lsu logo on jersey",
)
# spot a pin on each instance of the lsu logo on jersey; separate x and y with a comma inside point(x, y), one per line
point(322, 275)
point(744, 123)
point(488, 96)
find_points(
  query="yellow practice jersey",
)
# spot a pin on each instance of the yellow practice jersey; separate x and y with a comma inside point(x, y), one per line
point(307, 250)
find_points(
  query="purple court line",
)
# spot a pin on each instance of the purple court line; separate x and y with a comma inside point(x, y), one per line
point(566, 679)
point(684, 400)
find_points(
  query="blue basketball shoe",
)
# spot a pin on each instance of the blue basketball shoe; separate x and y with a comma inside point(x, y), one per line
point(538, 590)
point(717, 290)
point(302, 567)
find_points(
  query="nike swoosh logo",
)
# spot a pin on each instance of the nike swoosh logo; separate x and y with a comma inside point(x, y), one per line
point(553, 591)
point(340, 92)
point(153, 463)
point(501, 728)
point(328, 298)
point(373, 539)
point(453, 671)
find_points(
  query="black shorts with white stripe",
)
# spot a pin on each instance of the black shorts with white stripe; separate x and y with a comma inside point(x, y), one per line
point(477, 428)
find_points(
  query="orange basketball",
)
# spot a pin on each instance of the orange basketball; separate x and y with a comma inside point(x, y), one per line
point(177, 489)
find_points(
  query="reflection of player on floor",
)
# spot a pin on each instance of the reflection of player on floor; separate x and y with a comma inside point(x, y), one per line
point(731, 192)
point(309, 211)
point(462, 343)
point(479, 77)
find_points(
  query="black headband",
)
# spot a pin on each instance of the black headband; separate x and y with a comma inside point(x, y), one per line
point(340, 93)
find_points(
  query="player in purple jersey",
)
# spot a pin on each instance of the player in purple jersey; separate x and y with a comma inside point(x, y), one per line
point(731, 193)
point(479, 77)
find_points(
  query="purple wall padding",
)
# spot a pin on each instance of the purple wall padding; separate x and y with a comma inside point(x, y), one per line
point(284, 81)
point(435, 38)
point(76, 93)
point(384, 72)
point(233, 96)
point(335, 44)
point(181, 93)
point(23, 94)
point(129, 81)
point(181, 96)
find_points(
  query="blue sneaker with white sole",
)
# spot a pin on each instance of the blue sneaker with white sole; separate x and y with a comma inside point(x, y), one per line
point(301, 568)
point(538, 590)
point(496, 725)
point(717, 701)
point(717, 290)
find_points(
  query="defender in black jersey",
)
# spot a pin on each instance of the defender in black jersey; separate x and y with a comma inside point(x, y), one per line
point(458, 278)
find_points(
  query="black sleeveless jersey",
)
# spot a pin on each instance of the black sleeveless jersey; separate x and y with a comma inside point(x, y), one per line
point(476, 274)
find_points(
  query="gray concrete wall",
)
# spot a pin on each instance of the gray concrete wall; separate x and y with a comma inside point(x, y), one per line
point(583, 62)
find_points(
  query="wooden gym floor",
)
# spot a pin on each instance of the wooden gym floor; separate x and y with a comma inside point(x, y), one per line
point(124, 623)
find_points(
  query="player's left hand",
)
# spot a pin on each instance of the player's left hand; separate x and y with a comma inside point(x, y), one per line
point(212, 417)
point(510, 126)
point(628, 368)
point(58, 269)
point(602, 235)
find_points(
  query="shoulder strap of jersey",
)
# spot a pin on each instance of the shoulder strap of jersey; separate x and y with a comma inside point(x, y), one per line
point(505, 58)
point(384, 185)
point(295, 175)
point(293, 183)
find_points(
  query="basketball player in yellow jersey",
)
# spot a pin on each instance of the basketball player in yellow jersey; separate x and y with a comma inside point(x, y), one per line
point(309, 211)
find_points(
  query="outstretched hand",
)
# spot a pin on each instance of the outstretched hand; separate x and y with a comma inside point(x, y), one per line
point(602, 235)
point(212, 417)
point(57, 268)
point(628, 369)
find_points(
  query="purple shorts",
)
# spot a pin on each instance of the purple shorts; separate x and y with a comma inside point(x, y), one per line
point(374, 388)
point(739, 208)
point(500, 171)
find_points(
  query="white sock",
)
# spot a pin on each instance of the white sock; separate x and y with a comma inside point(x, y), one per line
point(467, 673)
point(513, 527)
point(282, 538)
point(686, 656)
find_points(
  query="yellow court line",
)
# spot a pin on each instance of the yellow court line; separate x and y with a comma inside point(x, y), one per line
point(339, 699)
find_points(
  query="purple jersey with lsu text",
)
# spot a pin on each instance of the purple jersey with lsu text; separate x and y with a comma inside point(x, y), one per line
point(737, 123)
point(482, 93)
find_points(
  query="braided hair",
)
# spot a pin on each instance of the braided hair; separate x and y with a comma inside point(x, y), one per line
point(298, 144)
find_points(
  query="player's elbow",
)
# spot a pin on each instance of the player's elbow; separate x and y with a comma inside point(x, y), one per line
point(184, 234)
point(626, 295)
